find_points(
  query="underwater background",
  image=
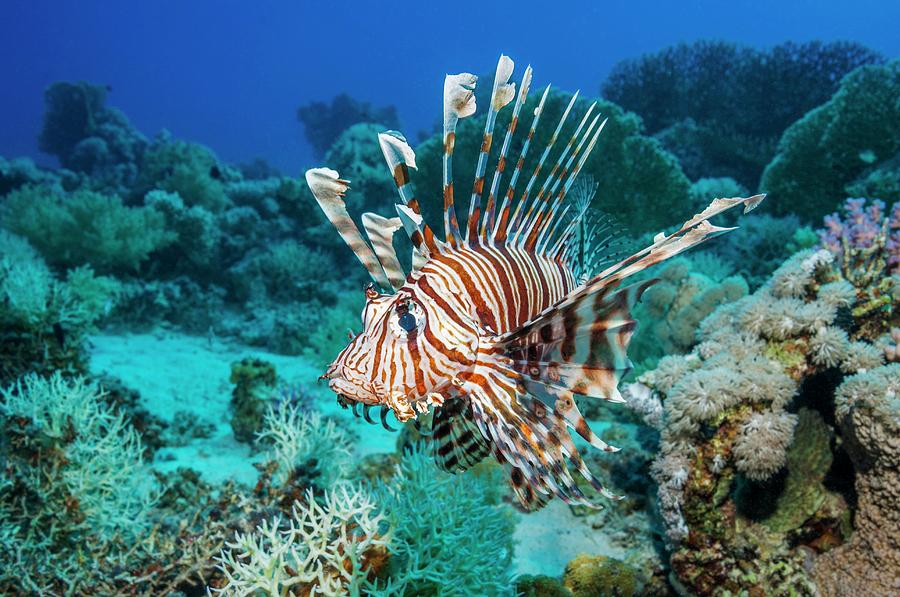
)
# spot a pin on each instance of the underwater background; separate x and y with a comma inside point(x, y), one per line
point(170, 294)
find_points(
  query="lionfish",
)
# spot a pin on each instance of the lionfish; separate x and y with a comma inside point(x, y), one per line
point(501, 324)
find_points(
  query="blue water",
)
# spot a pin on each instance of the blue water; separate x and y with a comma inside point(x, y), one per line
point(231, 75)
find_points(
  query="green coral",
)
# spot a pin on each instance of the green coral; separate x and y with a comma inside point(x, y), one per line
point(84, 227)
point(587, 576)
point(253, 380)
point(823, 154)
point(808, 460)
point(43, 320)
point(188, 169)
point(639, 181)
point(447, 538)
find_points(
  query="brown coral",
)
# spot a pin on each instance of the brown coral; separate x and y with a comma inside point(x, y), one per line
point(868, 406)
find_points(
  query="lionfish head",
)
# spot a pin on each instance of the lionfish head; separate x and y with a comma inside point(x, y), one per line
point(395, 361)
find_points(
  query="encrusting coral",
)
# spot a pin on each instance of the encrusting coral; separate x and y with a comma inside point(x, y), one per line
point(867, 406)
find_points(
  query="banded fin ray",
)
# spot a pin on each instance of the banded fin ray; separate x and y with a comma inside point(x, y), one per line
point(459, 102)
point(329, 189)
point(501, 94)
point(457, 442)
point(380, 231)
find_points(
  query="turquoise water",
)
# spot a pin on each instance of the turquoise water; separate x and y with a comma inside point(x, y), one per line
point(660, 358)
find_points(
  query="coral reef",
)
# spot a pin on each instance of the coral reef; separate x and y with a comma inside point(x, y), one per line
point(639, 181)
point(448, 534)
point(332, 548)
point(74, 486)
point(868, 409)
point(836, 144)
point(84, 227)
point(600, 575)
point(672, 309)
point(324, 123)
point(726, 433)
point(707, 104)
point(44, 320)
point(254, 381)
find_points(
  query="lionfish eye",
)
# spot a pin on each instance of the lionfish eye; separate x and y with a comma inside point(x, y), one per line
point(407, 321)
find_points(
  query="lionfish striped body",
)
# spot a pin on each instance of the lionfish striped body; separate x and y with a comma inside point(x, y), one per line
point(498, 326)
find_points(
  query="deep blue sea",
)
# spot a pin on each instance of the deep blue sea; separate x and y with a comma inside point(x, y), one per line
point(464, 299)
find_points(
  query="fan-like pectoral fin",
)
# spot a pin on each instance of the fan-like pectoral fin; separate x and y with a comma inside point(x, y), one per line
point(529, 436)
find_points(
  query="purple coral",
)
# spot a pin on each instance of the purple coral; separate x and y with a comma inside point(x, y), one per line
point(863, 233)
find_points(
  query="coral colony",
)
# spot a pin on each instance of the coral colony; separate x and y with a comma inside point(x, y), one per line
point(762, 402)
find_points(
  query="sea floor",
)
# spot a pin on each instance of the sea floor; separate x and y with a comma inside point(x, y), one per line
point(179, 375)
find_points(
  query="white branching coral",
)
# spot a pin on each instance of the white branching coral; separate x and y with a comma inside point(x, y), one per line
point(829, 346)
point(301, 438)
point(324, 549)
point(104, 468)
point(761, 446)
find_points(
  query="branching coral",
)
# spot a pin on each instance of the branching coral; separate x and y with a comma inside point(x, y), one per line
point(448, 536)
point(306, 443)
point(75, 485)
point(329, 548)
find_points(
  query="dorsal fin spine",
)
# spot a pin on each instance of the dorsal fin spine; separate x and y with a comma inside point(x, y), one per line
point(459, 102)
point(559, 197)
point(529, 223)
point(501, 227)
point(380, 231)
point(500, 96)
point(399, 156)
point(514, 223)
point(489, 213)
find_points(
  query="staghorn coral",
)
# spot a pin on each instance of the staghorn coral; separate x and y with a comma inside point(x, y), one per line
point(328, 548)
point(868, 410)
point(823, 153)
point(303, 443)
